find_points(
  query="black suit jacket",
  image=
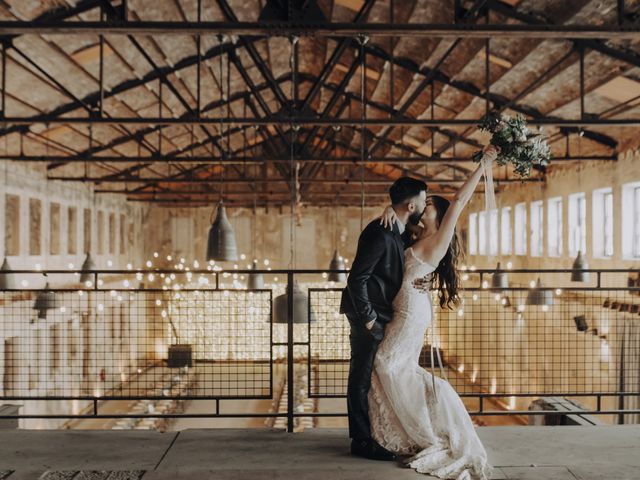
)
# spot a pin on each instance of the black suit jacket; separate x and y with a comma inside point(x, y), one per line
point(376, 274)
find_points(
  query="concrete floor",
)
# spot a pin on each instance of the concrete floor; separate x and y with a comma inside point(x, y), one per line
point(558, 453)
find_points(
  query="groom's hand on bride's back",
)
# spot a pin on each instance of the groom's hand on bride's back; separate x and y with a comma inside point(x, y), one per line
point(422, 284)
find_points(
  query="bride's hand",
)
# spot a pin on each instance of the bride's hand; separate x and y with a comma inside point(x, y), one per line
point(490, 153)
point(388, 217)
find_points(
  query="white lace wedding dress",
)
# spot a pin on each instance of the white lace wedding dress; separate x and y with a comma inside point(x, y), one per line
point(405, 416)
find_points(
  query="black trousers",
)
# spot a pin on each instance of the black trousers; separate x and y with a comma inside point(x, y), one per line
point(364, 345)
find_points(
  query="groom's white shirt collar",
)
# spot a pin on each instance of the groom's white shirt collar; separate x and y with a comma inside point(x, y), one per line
point(401, 226)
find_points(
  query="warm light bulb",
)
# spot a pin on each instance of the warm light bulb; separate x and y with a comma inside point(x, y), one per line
point(155, 254)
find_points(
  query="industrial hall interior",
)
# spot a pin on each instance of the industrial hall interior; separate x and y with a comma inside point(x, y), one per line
point(311, 239)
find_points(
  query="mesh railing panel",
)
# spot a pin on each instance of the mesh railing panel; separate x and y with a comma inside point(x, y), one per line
point(117, 343)
point(496, 343)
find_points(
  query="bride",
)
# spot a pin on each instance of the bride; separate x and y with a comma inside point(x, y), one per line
point(407, 416)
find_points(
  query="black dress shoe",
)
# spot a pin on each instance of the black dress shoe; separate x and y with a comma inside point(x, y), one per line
point(371, 449)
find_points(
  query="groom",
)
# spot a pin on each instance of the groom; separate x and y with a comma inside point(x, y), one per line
point(374, 280)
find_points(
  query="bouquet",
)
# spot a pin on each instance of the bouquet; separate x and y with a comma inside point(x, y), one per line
point(518, 145)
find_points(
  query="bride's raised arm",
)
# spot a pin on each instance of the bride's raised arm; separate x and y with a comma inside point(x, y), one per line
point(432, 248)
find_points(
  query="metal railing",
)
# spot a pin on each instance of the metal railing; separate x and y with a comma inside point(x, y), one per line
point(163, 335)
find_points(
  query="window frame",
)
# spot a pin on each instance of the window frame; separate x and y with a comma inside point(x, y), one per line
point(506, 234)
point(520, 229)
point(536, 228)
point(575, 202)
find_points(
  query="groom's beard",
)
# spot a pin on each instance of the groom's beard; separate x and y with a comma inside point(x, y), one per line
point(415, 217)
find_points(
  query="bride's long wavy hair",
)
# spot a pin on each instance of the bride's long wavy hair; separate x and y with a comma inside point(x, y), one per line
point(446, 278)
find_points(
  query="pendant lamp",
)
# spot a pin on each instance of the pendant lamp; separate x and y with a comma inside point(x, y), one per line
point(337, 263)
point(222, 239)
point(45, 300)
point(88, 266)
point(256, 280)
point(577, 271)
point(500, 278)
point(300, 307)
point(537, 296)
point(7, 280)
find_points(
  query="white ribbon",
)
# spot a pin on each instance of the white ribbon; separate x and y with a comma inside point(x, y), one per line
point(489, 193)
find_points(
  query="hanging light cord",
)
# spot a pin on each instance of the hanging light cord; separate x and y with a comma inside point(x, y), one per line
point(293, 128)
point(228, 126)
point(220, 40)
point(6, 182)
point(363, 41)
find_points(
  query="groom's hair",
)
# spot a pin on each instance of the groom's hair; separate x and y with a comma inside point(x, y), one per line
point(405, 188)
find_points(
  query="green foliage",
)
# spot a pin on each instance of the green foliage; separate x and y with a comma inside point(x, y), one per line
point(518, 145)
